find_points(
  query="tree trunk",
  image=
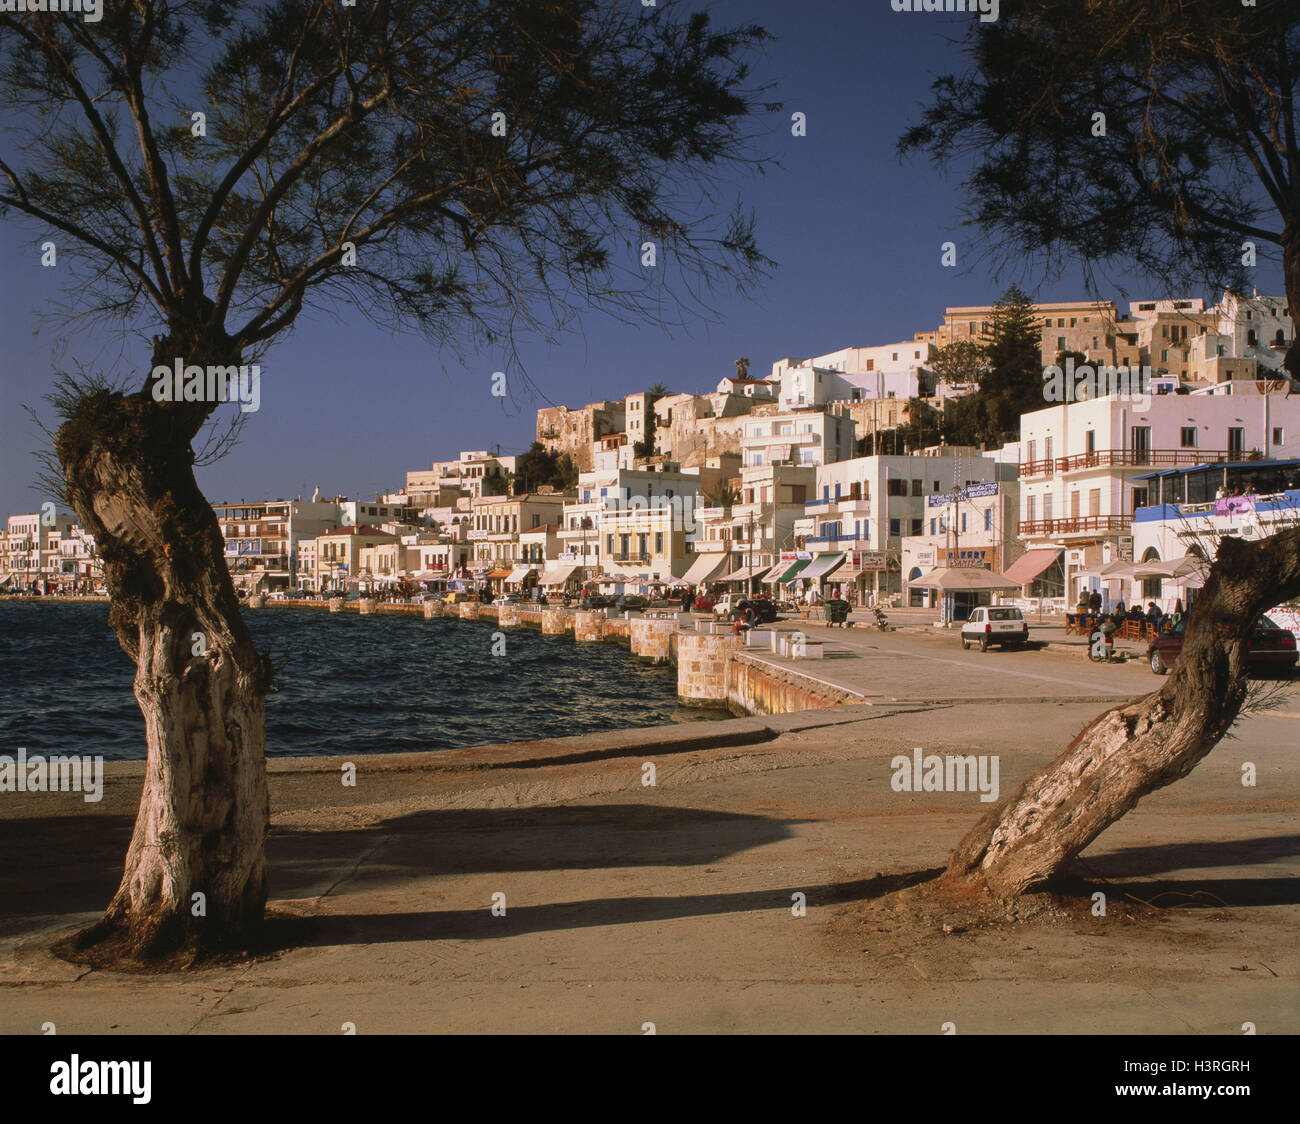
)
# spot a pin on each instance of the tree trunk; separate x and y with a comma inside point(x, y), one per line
point(1135, 749)
point(195, 876)
point(1291, 280)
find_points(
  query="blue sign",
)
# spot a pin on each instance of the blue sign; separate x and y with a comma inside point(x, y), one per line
point(970, 493)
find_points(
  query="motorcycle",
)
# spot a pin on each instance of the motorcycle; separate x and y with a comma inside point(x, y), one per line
point(1101, 644)
point(882, 621)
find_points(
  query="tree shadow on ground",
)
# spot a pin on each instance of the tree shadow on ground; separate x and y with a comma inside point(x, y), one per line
point(462, 841)
point(54, 865)
point(285, 931)
point(1128, 862)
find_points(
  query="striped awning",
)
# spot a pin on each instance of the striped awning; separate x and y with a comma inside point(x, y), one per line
point(780, 576)
point(520, 573)
point(822, 565)
point(704, 567)
point(557, 575)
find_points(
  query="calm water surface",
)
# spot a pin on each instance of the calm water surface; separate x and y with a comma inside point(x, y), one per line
point(347, 684)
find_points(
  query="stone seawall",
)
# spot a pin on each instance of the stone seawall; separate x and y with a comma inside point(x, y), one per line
point(714, 670)
point(755, 686)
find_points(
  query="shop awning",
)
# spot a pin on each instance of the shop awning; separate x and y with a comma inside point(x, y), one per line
point(704, 567)
point(428, 575)
point(495, 574)
point(1188, 564)
point(743, 574)
point(962, 579)
point(1030, 564)
point(822, 565)
point(557, 575)
point(780, 576)
point(520, 573)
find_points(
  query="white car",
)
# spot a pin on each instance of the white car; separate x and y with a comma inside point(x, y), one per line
point(994, 624)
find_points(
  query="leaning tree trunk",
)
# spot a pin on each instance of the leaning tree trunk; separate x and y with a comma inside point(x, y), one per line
point(195, 876)
point(1291, 279)
point(1135, 749)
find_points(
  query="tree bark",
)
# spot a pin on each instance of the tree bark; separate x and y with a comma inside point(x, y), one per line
point(195, 875)
point(1134, 749)
point(1291, 283)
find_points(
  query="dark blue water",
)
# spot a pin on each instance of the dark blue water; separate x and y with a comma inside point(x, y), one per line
point(346, 684)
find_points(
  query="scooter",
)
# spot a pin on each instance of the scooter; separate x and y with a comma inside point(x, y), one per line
point(882, 621)
point(1101, 644)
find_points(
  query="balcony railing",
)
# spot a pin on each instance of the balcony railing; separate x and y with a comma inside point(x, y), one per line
point(1134, 458)
point(629, 557)
point(1075, 525)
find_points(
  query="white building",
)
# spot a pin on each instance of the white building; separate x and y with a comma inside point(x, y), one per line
point(802, 437)
point(1081, 462)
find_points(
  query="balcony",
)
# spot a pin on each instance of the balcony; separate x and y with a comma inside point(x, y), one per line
point(1134, 458)
point(629, 558)
point(1076, 525)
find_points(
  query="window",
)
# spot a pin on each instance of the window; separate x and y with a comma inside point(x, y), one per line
point(1047, 448)
point(1090, 441)
point(895, 527)
point(1031, 452)
point(988, 519)
point(871, 364)
point(1187, 436)
point(895, 356)
point(1060, 343)
point(1277, 435)
point(1031, 509)
point(895, 487)
point(1164, 355)
point(1094, 501)
point(1236, 439)
point(1141, 441)
point(659, 542)
point(936, 486)
point(963, 521)
point(609, 545)
point(918, 527)
point(916, 487)
point(1047, 506)
point(933, 524)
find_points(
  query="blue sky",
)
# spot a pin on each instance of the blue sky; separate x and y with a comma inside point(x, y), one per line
point(351, 408)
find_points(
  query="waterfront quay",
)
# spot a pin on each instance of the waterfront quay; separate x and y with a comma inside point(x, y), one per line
point(798, 664)
point(670, 903)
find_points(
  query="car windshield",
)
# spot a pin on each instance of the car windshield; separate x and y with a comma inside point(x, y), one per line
point(1004, 614)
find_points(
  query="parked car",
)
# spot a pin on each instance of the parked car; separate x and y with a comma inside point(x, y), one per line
point(594, 601)
point(510, 599)
point(631, 602)
point(454, 597)
point(731, 608)
point(994, 624)
point(704, 603)
point(1270, 649)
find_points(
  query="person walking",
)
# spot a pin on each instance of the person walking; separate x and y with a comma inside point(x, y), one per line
point(1094, 602)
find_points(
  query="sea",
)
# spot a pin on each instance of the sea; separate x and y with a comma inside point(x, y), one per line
point(344, 684)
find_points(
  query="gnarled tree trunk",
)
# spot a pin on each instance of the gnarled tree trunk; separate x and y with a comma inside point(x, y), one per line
point(1135, 749)
point(201, 686)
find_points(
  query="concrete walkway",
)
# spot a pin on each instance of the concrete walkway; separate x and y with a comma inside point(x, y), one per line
point(672, 904)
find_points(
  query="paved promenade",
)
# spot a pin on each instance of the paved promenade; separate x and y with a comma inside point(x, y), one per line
point(672, 904)
point(920, 662)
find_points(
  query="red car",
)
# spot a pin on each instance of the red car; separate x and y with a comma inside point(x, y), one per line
point(704, 603)
point(1270, 649)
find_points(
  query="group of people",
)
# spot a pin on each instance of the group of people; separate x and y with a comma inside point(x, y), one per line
point(1090, 606)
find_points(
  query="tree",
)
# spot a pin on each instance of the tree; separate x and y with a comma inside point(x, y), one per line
point(1157, 131)
point(460, 167)
point(1013, 383)
point(961, 362)
point(724, 495)
point(1197, 146)
point(742, 368)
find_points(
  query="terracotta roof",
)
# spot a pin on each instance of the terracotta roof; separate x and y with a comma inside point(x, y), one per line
point(364, 529)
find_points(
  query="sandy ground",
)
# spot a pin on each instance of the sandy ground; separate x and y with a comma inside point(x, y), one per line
point(675, 905)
